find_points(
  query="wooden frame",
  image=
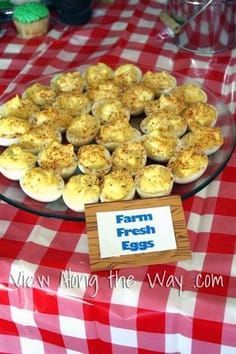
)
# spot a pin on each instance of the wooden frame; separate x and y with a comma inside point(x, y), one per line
point(125, 261)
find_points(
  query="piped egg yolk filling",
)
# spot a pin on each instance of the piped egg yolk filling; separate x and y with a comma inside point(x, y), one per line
point(188, 162)
point(154, 179)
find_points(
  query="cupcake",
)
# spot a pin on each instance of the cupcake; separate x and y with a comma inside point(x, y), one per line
point(31, 19)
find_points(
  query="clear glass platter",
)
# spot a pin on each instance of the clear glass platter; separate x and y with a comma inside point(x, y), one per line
point(11, 192)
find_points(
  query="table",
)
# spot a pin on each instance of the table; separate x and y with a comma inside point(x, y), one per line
point(49, 301)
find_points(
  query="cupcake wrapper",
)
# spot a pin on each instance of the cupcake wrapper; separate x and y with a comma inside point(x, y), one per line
point(34, 29)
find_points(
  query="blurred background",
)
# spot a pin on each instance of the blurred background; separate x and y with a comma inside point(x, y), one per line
point(69, 11)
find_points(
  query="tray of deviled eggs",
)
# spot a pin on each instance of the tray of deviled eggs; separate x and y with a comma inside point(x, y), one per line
point(107, 134)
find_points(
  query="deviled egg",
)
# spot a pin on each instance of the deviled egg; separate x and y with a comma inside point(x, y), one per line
point(82, 130)
point(187, 165)
point(129, 156)
point(127, 74)
point(37, 139)
point(17, 107)
point(60, 158)
point(73, 103)
point(42, 185)
point(81, 190)
point(113, 134)
point(117, 185)
point(54, 118)
point(160, 82)
point(160, 146)
point(95, 159)
point(154, 181)
point(166, 103)
point(168, 122)
point(68, 82)
point(200, 115)
point(11, 129)
point(103, 90)
point(136, 97)
point(208, 140)
point(14, 162)
point(41, 95)
point(190, 93)
point(98, 73)
point(110, 110)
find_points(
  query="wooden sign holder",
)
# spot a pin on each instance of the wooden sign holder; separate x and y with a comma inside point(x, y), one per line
point(133, 260)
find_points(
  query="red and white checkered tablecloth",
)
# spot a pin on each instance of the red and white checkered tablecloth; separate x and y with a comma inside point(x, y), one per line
point(50, 303)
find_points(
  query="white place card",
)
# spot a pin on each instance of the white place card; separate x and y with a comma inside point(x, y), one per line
point(135, 231)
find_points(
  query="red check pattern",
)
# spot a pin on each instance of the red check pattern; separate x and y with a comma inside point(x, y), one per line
point(50, 303)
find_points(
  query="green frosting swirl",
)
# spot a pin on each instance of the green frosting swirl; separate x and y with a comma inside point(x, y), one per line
point(29, 12)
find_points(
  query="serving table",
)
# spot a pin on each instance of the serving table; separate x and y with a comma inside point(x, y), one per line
point(50, 301)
